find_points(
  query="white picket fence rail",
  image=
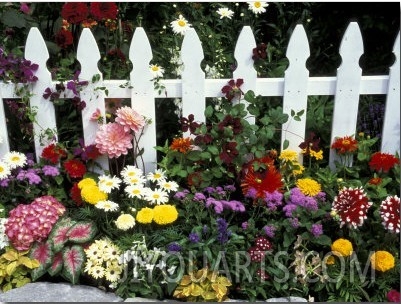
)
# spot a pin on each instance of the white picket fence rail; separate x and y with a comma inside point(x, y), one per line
point(193, 87)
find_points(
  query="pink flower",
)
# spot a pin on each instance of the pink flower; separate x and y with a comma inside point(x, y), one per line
point(393, 296)
point(96, 116)
point(112, 139)
point(129, 119)
point(24, 8)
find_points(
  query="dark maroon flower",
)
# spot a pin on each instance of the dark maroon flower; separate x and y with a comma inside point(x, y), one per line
point(229, 152)
point(103, 10)
point(189, 124)
point(233, 123)
point(259, 52)
point(233, 89)
point(311, 143)
point(86, 152)
point(74, 12)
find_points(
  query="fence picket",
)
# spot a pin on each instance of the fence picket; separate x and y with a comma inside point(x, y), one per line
point(36, 51)
point(391, 125)
point(193, 77)
point(142, 99)
point(295, 89)
point(88, 56)
point(4, 142)
point(245, 69)
point(346, 99)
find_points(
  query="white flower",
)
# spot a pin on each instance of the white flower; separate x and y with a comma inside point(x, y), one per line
point(107, 205)
point(157, 196)
point(125, 221)
point(180, 25)
point(5, 170)
point(131, 171)
point(156, 70)
point(168, 186)
point(135, 190)
point(257, 7)
point(225, 12)
point(156, 176)
point(107, 183)
point(15, 159)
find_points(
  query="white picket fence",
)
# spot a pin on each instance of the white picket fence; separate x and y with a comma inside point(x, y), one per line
point(193, 87)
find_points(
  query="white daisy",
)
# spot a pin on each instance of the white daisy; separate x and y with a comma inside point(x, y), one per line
point(257, 7)
point(156, 176)
point(15, 159)
point(180, 25)
point(135, 190)
point(107, 183)
point(224, 12)
point(168, 186)
point(156, 70)
point(5, 170)
point(107, 206)
point(157, 196)
point(129, 172)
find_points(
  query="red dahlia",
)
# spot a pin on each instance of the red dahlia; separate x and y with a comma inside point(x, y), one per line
point(75, 194)
point(352, 206)
point(53, 153)
point(74, 12)
point(390, 213)
point(75, 168)
point(383, 161)
point(103, 10)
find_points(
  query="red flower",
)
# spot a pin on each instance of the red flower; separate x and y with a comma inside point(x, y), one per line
point(74, 12)
point(262, 176)
point(233, 89)
point(53, 153)
point(390, 213)
point(311, 143)
point(259, 52)
point(75, 194)
point(375, 181)
point(64, 38)
point(256, 254)
point(352, 206)
point(103, 10)
point(75, 168)
point(383, 161)
point(393, 296)
point(233, 123)
point(345, 144)
point(189, 124)
point(229, 152)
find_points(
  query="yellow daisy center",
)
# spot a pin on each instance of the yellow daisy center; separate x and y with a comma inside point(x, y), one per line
point(182, 23)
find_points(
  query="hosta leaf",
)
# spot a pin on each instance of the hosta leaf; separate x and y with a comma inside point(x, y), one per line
point(74, 258)
point(57, 264)
point(82, 232)
point(58, 235)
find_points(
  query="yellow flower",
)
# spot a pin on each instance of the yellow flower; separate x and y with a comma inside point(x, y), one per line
point(308, 186)
point(299, 169)
point(343, 247)
point(164, 214)
point(317, 155)
point(330, 260)
point(125, 221)
point(92, 194)
point(382, 260)
point(288, 155)
point(86, 182)
point(145, 215)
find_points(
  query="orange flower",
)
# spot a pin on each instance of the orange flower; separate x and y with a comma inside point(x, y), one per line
point(182, 145)
point(345, 144)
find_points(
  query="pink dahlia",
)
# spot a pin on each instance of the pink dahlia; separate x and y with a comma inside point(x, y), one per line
point(112, 139)
point(390, 213)
point(130, 119)
point(352, 206)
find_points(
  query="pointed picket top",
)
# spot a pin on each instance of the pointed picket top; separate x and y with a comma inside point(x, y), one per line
point(243, 56)
point(142, 94)
point(36, 51)
point(88, 56)
point(349, 74)
point(193, 77)
point(391, 125)
point(295, 89)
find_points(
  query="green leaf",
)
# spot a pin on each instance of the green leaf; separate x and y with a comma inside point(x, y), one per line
point(74, 258)
point(209, 111)
point(286, 144)
point(13, 18)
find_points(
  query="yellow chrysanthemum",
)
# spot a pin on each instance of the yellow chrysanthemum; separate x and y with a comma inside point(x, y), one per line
point(288, 155)
point(145, 215)
point(382, 260)
point(86, 182)
point(299, 170)
point(330, 260)
point(343, 247)
point(93, 195)
point(308, 186)
point(165, 214)
point(125, 221)
point(317, 155)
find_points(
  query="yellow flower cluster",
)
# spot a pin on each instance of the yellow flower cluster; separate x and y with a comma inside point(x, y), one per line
point(342, 247)
point(90, 192)
point(290, 162)
point(317, 155)
point(382, 260)
point(308, 186)
point(102, 261)
point(160, 214)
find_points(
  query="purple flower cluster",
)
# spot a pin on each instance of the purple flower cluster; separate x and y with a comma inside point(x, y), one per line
point(273, 200)
point(174, 247)
point(269, 230)
point(194, 237)
point(316, 230)
point(223, 233)
point(16, 69)
point(31, 175)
